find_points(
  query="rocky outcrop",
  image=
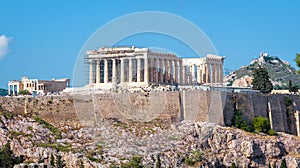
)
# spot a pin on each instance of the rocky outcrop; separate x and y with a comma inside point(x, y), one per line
point(184, 144)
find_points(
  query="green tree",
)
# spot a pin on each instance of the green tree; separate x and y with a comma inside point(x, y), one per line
point(24, 92)
point(297, 60)
point(240, 123)
point(59, 163)
point(233, 165)
point(290, 86)
point(158, 162)
point(269, 166)
point(81, 164)
point(261, 80)
point(7, 158)
point(292, 89)
point(52, 162)
point(283, 164)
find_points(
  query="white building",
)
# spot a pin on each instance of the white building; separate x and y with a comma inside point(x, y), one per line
point(38, 86)
point(131, 67)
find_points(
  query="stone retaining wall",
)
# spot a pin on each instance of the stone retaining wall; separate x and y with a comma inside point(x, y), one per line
point(195, 105)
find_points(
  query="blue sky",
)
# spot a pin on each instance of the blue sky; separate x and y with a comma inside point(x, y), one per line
point(45, 37)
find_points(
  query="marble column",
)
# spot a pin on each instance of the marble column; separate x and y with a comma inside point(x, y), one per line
point(221, 73)
point(91, 79)
point(198, 74)
point(161, 72)
point(180, 72)
point(130, 70)
point(208, 73)
point(122, 70)
point(114, 70)
point(184, 74)
point(146, 70)
point(213, 74)
point(98, 71)
point(166, 72)
point(105, 71)
point(14, 91)
point(171, 67)
point(156, 69)
point(176, 66)
point(217, 73)
point(193, 74)
point(138, 71)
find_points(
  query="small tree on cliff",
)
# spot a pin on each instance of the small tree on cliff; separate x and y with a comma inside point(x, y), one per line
point(7, 158)
point(283, 164)
point(297, 60)
point(59, 163)
point(292, 89)
point(261, 80)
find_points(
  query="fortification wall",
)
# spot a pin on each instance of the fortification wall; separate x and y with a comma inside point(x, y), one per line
point(195, 105)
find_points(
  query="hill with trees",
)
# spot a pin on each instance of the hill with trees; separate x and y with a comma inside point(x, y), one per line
point(280, 72)
point(3, 92)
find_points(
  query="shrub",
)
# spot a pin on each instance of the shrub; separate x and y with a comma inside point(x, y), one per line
point(24, 92)
point(288, 103)
point(59, 163)
point(283, 164)
point(158, 162)
point(238, 122)
point(54, 130)
point(262, 124)
point(135, 162)
point(193, 158)
point(272, 132)
point(7, 158)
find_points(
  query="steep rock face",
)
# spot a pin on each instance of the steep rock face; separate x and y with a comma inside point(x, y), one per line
point(196, 105)
point(33, 142)
point(279, 71)
point(194, 144)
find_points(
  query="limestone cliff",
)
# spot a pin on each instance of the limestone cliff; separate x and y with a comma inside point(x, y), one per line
point(185, 144)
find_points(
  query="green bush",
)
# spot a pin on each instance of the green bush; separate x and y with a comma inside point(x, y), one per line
point(59, 163)
point(288, 103)
point(62, 148)
point(54, 130)
point(24, 92)
point(7, 158)
point(238, 122)
point(262, 124)
point(135, 162)
point(283, 164)
point(272, 132)
point(193, 158)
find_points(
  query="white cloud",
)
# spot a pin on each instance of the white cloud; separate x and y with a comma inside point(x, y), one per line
point(3, 45)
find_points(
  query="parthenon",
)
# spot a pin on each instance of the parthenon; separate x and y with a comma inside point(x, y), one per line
point(132, 67)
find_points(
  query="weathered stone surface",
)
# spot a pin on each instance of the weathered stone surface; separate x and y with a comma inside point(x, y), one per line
point(116, 142)
point(78, 110)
